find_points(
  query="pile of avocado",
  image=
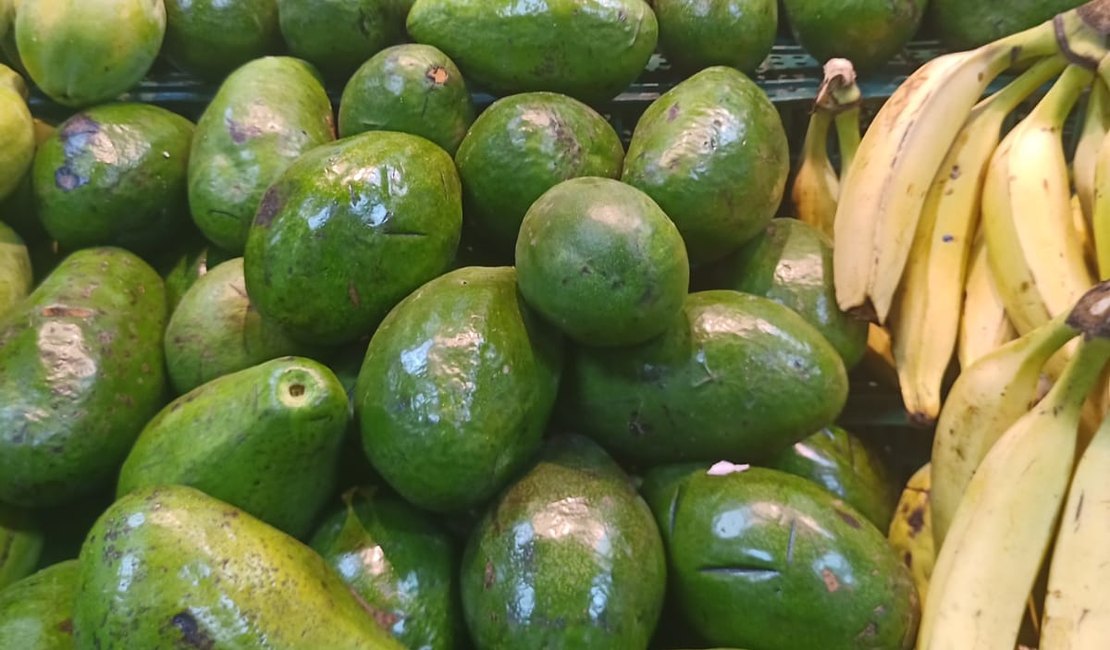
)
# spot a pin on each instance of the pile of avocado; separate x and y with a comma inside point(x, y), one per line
point(404, 372)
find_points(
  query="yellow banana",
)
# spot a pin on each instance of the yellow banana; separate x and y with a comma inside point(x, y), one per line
point(1083, 233)
point(925, 321)
point(911, 530)
point(1096, 123)
point(984, 326)
point(1100, 214)
point(816, 184)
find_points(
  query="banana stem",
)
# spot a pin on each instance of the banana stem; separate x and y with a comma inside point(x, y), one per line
point(1091, 314)
point(1081, 373)
point(1025, 84)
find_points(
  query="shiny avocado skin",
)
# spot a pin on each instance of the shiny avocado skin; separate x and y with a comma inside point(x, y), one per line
point(204, 574)
point(36, 613)
point(737, 33)
point(264, 439)
point(115, 175)
point(588, 49)
point(567, 557)
point(210, 38)
point(867, 32)
point(338, 35)
point(712, 152)
point(715, 385)
point(349, 230)
point(263, 117)
point(401, 564)
point(456, 389)
point(81, 372)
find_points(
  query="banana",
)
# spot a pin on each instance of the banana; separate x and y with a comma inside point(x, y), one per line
point(1083, 233)
point(1096, 123)
point(925, 321)
point(1032, 247)
point(989, 560)
point(816, 184)
point(847, 96)
point(911, 532)
point(884, 190)
point(1100, 211)
point(984, 326)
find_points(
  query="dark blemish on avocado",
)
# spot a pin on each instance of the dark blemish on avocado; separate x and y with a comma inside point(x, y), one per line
point(74, 136)
point(585, 270)
point(267, 209)
point(679, 493)
point(437, 75)
point(191, 632)
point(831, 583)
point(364, 22)
point(869, 632)
point(747, 572)
point(55, 311)
point(636, 426)
point(240, 133)
point(621, 16)
point(847, 518)
point(352, 293)
point(916, 520)
point(67, 179)
point(488, 580)
point(66, 626)
point(672, 113)
point(296, 390)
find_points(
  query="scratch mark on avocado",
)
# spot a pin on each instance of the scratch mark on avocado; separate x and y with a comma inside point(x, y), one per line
point(831, 582)
point(751, 573)
point(679, 493)
point(74, 135)
point(56, 311)
point(790, 541)
point(66, 626)
point(672, 113)
point(191, 633)
point(240, 133)
point(67, 179)
point(363, 22)
point(437, 75)
point(268, 208)
point(352, 293)
point(490, 576)
point(847, 518)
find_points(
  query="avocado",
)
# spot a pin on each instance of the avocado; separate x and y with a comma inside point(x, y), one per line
point(263, 117)
point(81, 372)
point(18, 209)
point(456, 389)
point(567, 557)
point(409, 88)
point(712, 152)
point(83, 52)
point(965, 25)
point(171, 567)
point(216, 331)
point(588, 49)
point(20, 546)
point(791, 262)
point(210, 38)
point(350, 229)
point(735, 376)
point(15, 269)
point(600, 260)
point(17, 132)
point(36, 613)
point(188, 262)
point(115, 175)
point(400, 563)
point(338, 35)
point(845, 466)
point(866, 32)
point(9, 53)
point(764, 559)
point(694, 34)
point(264, 439)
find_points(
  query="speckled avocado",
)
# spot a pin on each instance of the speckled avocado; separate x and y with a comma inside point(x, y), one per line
point(265, 439)
point(264, 116)
point(588, 49)
point(15, 269)
point(456, 389)
point(867, 32)
point(964, 25)
point(115, 175)
point(567, 557)
point(20, 546)
point(17, 132)
point(36, 613)
point(210, 38)
point(338, 35)
point(350, 229)
point(203, 574)
point(81, 372)
point(712, 152)
point(737, 33)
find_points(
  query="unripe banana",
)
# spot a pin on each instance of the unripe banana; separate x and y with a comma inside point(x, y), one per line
point(816, 184)
point(911, 530)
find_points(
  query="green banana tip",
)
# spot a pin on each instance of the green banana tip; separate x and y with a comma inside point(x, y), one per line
point(1091, 315)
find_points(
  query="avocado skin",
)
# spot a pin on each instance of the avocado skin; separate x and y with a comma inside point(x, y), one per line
point(588, 49)
point(737, 33)
point(409, 88)
point(36, 613)
point(15, 269)
point(400, 563)
point(867, 32)
point(338, 35)
point(791, 262)
point(263, 117)
point(81, 372)
point(264, 439)
point(567, 557)
point(186, 263)
point(210, 38)
point(350, 229)
point(201, 573)
point(457, 388)
point(712, 152)
point(764, 559)
point(21, 541)
point(965, 25)
point(713, 386)
point(133, 197)
point(522, 146)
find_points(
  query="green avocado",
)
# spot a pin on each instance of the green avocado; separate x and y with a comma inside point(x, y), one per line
point(588, 49)
point(171, 567)
point(210, 38)
point(186, 263)
point(215, 331)
point(115, 175)
point(735, 376)
point(81, 372)
point(695, 34)
point(263, 117)
point(601, 261)
point(350, 229)
point(791, 262)
point(20, 547)
point(522, 146)
point(264, 439)
point(456, 389)
point(764, 559)
point(17, 132)
point(15, 269)
point(567, 557)
point(867, 32)
point(845, 466)
point(964, 25)
point(400, 563)
point(36, 613)
point(339, 35)
point(82, 52)
point(409, 88)
point(712, 152)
